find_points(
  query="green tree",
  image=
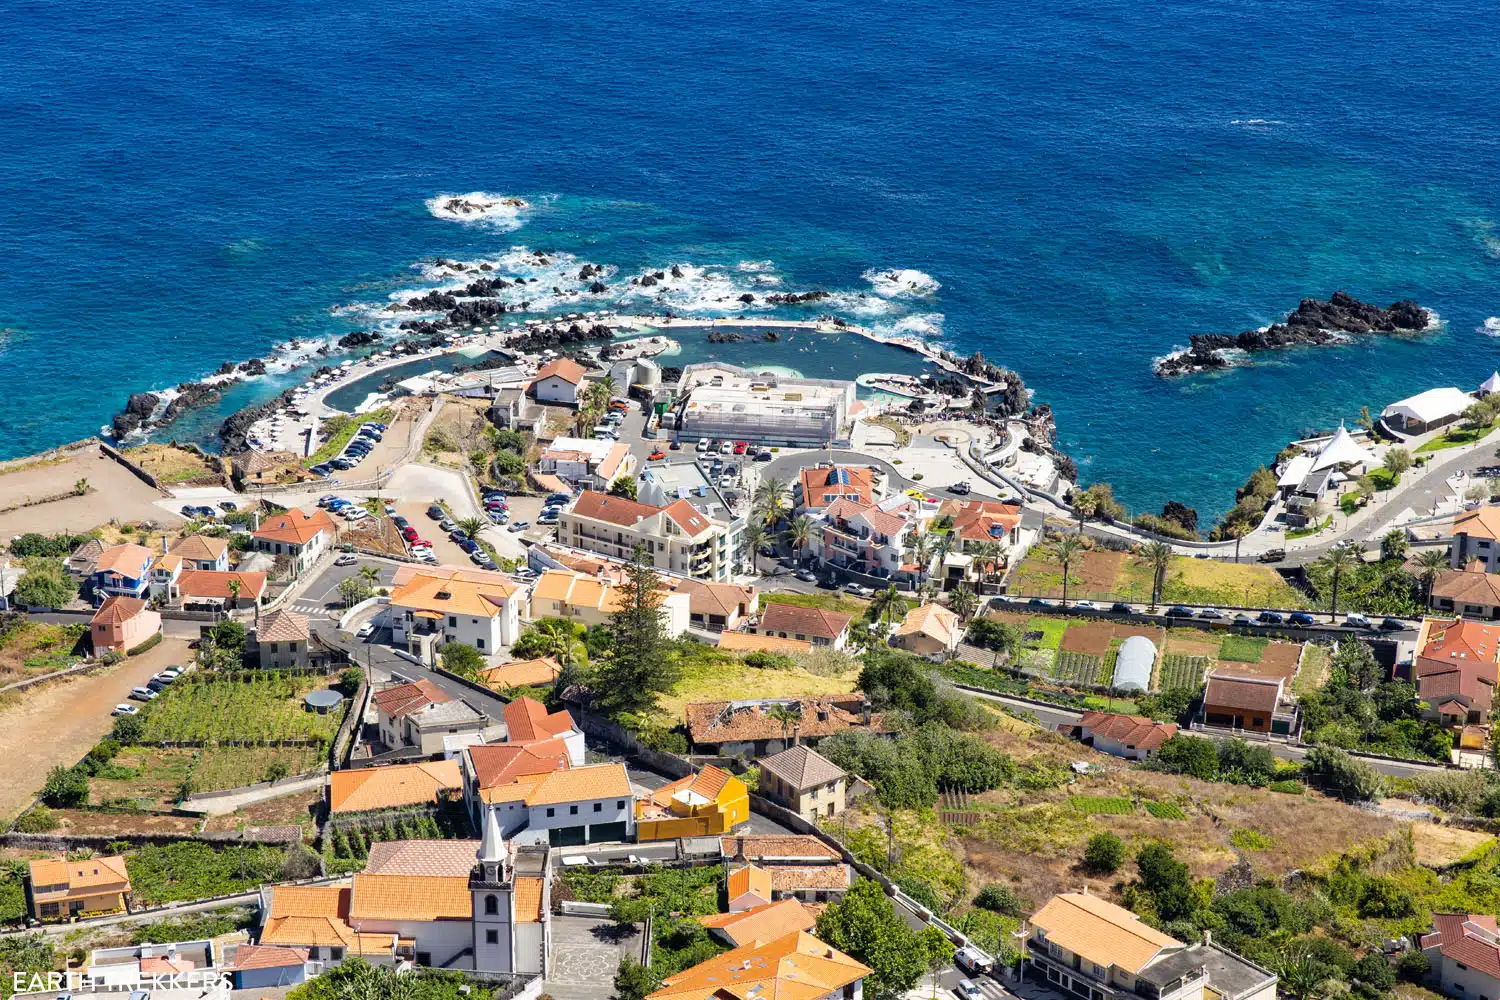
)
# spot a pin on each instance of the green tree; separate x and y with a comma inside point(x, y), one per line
point(799, 534)
point(1104, 854)
point(864, 925)
point(937, 950)
point(44, 584)
point(999, 636)
point(353, 589)
point(770, 503)
point(886, 606)
point(462, 659)
point(1337, 561)
point(1394, 545)
point(1431, 563)
point(1183, 754)
point(1396, 461)
point(641, 668)
point(634, 981)
point(1063, 551)
point(559, 638)
point(1167, 880)
point(754, 537)
point(963, 602)
point(623, 486)
point(1158, 556)
point(66, 788)
point(1001, 899)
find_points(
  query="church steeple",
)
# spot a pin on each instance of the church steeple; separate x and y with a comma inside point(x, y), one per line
point(491, 853)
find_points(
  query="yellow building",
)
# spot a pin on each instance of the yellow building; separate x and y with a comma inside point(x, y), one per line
point(708, 803)
point(62, 888)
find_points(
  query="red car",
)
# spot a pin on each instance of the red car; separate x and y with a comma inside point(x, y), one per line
point(410, 534)
point(740, 446)
point(657, 455)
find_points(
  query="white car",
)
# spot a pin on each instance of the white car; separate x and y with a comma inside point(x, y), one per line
point(125, 709)
point(726, 448)
point(347, 559)
point(859, 590)
point(702, 444)
point(366, 630)
point(966, 990)
point(143, 694)
point(1357, 621)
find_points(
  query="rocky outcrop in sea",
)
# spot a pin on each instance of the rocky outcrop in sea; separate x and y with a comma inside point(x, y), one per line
point(1313, 322)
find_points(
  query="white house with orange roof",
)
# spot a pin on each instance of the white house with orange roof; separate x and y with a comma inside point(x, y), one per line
point(676, 538)
point(590, 600)
point(298, 535)
point(202, 552)
point(795, 966)
point(431, 606)
point(587, 463)
point(866, 538)
point(528, 721)
point(821, 485)
point(1476, 535)
point(559, 381)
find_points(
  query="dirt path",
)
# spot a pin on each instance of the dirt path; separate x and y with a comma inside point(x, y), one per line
point(59, 723)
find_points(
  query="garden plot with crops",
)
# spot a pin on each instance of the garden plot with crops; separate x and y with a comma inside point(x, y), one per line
point(251, 708)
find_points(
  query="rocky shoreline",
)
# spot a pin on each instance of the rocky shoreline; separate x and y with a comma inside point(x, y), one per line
point(1313, 322)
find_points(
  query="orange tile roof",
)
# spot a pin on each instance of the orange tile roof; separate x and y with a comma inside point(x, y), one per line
point(521, 673)
point(127, 560)
point(974, 520)
point(707, 783)
point(614, 510)
point(1471, 585)
point(793, 878)
point(1132, 730)
point(168, 563)
point(526, 721)
point(409, 697)
point(796, 966)
point(796, 620)
point(1457, 657)
point(931, 620)
point(749, 879)
point(600, 781)
point(215, 583)
point(318, 915)
point(411, 897)
point(200, 548)
point(687, 517)
point(749, 642)
point(706, 598)
point(501, 764)
point(165, 965)
point(282, 626)
point(818, 491)
point(296, 526)
point(1100, 931)
point(117, 610)
point(1483, 522)
point(453, 594)
point(564, 368)
point(1249, 694)
point(528, 900)
point(422, 857)
point(262, 956)
point(406, 572)
point(762, 923)
point(86, 877)
point(391, 786)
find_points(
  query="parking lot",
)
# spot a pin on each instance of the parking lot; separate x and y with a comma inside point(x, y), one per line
point(586, 953)
point(446, 550)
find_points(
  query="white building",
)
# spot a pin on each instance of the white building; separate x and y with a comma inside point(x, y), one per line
point(724, 401)
point(1464, 949)
point(1426, 411)
point(677, 538)
point(452, 604)
point(299, 535)
point(866, 538)
point(591, 464)
point(559, 381)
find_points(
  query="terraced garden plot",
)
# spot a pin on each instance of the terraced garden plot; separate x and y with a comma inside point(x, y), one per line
point(1279, 659)
point(1243, 648)
point(219, 768)
point(1045, 633)
point(1092, 638)
point(1076, 668)
point(1101, 805)
point(266, 709)
point(1164, 810)
point(1178, 670)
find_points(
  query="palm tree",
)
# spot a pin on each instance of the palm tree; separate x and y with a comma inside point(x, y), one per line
point(799, 534)
point(770, 500)
point(1394, 545)
point(234, 592)
point(1236, 530)
point(789, 720)
point(964, 602)
point(755, 537)
point(1157, 555)
point(944, 545)
point(370, 575)
point(887, 604)
point(988, 555)
point(1431, 563)
point(1336, 562)
point(471, 526)
point(1063, 550)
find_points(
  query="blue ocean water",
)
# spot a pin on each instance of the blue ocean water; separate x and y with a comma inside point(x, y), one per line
point(188, 183)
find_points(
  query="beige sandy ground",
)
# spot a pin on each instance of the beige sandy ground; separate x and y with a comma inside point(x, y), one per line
point(1442, 845)
point(115, 493)
point(59, 723)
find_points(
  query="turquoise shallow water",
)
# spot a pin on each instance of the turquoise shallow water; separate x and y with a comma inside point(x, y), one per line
point(186, 184)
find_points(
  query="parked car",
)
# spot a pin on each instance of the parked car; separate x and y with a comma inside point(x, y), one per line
point(1122, 608)
point(1269, 618)
point(1273, 555)
point(188, 512)
point(1210, 613)
point(967, 990)
point(366, 630)
point(173, 672)
point(401, 522)
point(1356, 620)
point(1037, 602)
point(125, 709)
point(859, 590)
point(962, 489)
point(1085, 605)
point(346, 559)
point(740, 446)
point(806, 576)
point(1178, 611)
point(519, 526)
point(1301, 618)
point(726, 448)
point(436, 513)
point(1392, 625)
point(1243, 619)
point(559, 497)
point(228, 505)
point(142, 694)
point(702, 444)
point(657, 455)
point(764, 456)
point(447, 524)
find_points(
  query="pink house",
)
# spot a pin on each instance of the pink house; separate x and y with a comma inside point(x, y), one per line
point(122, 623)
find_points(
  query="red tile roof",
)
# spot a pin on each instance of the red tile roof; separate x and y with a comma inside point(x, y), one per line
point(502, 763)
point(406, 698)
point(978, 520)
point(615, 510)
point(296, 526)
point(1131, 730)
point(1464, 937)
point(267, 956)
point(117, 611)
point(215, 583)
point(1250, 694)
point(687, 517)
point(795, 621)
point(1459, 658)
point(822, 486)
point(564, 368)
point(526, 721)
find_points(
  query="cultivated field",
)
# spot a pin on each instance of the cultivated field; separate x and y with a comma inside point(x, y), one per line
point(260, 709)
point(1102, 575)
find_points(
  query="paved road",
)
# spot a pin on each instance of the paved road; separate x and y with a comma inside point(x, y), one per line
point(1052, 717)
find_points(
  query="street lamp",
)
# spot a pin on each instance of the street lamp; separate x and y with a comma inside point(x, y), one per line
point(1020, 935)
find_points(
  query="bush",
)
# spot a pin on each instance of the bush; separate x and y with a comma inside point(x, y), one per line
point(1413, 966)
point(45, 585)
point(770, 661)
point(1287, 787)
point(111, 657)
point(128, 729)
point(350, 680)
point(462, 659)
point(38, 819)
point(150, 643)
point(1104, 854)
point(66, 788)
point(1001, 899)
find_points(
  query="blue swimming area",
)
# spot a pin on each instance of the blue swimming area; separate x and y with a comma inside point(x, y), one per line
point(192, 184)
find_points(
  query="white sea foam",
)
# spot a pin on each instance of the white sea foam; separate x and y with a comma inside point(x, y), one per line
point(1256, 121)
point(928, 326)
point(693, 290)
point(1491, 326)
point(497, 210)
point(755, 266)
point(901, 283)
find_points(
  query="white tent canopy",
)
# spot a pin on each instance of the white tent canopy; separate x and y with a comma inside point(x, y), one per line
point(1431, 406)
point(1341, 450)
point(1295, 470)
point(1491, 384)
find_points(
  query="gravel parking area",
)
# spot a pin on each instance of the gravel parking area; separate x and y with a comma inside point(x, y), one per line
point(586, 952)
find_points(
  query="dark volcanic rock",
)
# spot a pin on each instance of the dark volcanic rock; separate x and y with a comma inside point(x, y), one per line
point(772, 336)
point(227, 368)
point(676, 272)
point(646, 281)
point(359, 338)
point(233, 432)
point(726, 338)
point(598, 288)
point(794, 298)
point(747, 298)
point(1313, 322)
point(255, 366)
point(192, 394)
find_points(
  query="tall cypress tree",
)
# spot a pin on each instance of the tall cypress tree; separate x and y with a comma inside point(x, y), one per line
point(640, 666)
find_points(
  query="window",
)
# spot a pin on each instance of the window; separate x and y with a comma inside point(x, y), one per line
point(551, 812)
point(424, 958)
point(273, 647)
point(453, 621)
point(572, 810)
point(491, 905)
point(492, 937)
point(336, 953)
point(478, 643)
point(620, 804)
point(1462, 966)
point(598, 807)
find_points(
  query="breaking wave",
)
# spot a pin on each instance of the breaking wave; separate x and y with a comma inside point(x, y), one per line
point(901, 283)
point(497, 210)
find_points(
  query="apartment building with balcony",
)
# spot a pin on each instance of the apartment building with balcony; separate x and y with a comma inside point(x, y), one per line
point(872, 539)
point(676, 538)
point(1083, 945)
